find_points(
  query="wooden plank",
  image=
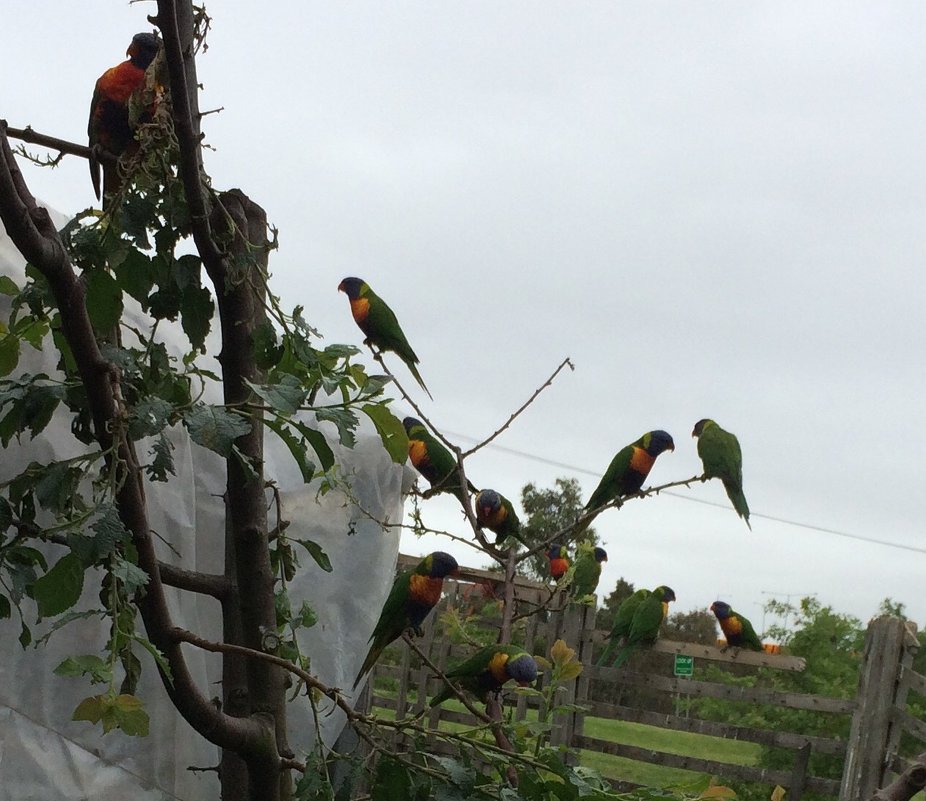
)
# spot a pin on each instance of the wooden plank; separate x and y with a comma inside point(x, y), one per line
point(746, 772)
point(727, 731)
point(908, 723)
point(799, 773)
point(913, 681)
point(816, 703)
point(730, 655)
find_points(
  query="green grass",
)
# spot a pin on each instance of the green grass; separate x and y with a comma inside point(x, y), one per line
point(651, 737)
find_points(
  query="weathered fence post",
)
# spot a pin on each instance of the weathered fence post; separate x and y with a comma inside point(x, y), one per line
point(867, 755)
point(578, 619)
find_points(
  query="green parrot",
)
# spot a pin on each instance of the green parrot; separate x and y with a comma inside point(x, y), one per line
point(587, 571)
point(414, 593)
point(430, 458)
point(378, 322)
point(623, 619)
point(644, 626)
point(628, 470)
point(737, 630)
point(488, 669)
point(495, 512)
point(722, 458)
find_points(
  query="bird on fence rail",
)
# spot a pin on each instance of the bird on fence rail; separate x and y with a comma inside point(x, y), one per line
point(559, 561)
point(644, 626)
point(623, 619)
point(587, 571)
point(487, 670)
point(378, 322)
point(414, 593)
point(110, 127)
point(433, 460)
point(722, 458)
point(627, 471)
point(737, 630)
point(496, 513)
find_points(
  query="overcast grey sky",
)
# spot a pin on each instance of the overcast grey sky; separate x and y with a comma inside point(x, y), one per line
point(715, 209)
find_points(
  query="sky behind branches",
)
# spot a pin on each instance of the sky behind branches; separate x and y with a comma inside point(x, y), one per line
point(714, 209)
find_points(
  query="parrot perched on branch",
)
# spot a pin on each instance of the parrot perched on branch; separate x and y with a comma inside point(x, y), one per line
point(628, 470)
point(487, 670)
point(110, 128)
point(587, 571)
point(722, 458)
point(433, 460)
point(414, 593)
point(644, 626)
point(559, 561)
point(496, 513)
point(623, 619)
point(737, 630)
point(379, 324)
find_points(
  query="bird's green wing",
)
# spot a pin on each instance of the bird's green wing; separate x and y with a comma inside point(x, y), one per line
point(750, 638)
point(393, 620)
point(646, 620)
point(586, 576)
point(720, 454)
point(609, 487)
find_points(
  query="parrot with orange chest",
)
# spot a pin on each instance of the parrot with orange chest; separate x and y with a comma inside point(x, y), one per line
point(559, 561)
point(628, 470)
point(110, 127)
point(430, 458)
point(487, 670)
point(737, 630)
point(496, 513)
point(414, 594)
point(379, 324)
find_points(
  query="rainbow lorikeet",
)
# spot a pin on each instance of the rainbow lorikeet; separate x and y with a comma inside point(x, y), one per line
point(109, 127)
point(738, 630)
point(722, 458)
point(430, 458)
point(644, 626)
point(587, 571)
point(378, 322)
point(488, 669)
point(496, 513)
point(414, 593)
point(559, 561)
point(629, 469)
point(623, 619)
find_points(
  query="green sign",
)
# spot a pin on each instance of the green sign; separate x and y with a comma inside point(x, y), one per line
point(684, 665)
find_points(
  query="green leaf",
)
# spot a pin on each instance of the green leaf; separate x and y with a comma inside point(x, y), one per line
point(109, 531)
point(133, 273)
point(150, 416)
point(307, 616)
point(215, 428)
point(9, 353)
point(316, 552)
point(158, 657)
point(90, 709)
point(57, 487)
point(162, 465)
point(196, 312)
point(132, 576)
point(390, 430)
point(104, 300)
point(98, 669)
point(5, 608)
point(296, 447)
point(60, 588)
point(8, 286)
point(285, 397)
point(318, 442)
point(343, 419)
point(6, 514)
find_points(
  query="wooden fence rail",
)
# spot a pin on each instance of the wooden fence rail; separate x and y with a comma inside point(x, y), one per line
point(879, 713)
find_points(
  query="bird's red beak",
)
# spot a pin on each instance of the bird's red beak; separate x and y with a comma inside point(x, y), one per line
point(341, 287)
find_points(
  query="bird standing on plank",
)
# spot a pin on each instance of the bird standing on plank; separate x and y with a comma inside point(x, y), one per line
point(722, 458)
point(414, 594)
point(379, 324)
point(737, 630)
point(628, 470)
point(110, 128)
point(648, 617)
point(587, 571)
point(623, 619)
point(487, 670)
point(433, 460)
point(559, 561)
point(496, 513)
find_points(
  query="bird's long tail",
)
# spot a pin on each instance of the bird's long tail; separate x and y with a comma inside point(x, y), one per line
point(622, 656)
point(735, 494)
point(368, 663)
point(612, 644)
point(414, 371)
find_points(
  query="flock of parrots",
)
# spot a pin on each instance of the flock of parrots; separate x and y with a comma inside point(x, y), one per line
point(417, 591)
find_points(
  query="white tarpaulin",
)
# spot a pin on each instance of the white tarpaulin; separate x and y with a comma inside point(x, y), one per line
point(43, 754)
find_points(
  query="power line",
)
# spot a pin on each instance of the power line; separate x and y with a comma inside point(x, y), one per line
point(775, 519)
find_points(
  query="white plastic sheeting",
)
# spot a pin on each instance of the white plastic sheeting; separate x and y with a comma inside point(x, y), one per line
point(44, 754)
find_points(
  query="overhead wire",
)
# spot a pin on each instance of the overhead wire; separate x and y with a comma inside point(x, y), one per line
point(774, 518)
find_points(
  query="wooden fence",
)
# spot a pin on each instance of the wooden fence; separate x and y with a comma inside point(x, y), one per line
point(879, 717)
